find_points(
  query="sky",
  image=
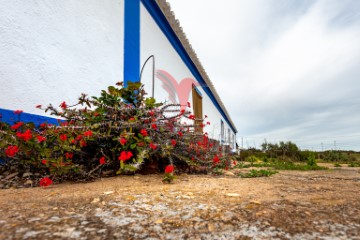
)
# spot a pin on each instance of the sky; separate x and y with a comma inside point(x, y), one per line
point(286, 70)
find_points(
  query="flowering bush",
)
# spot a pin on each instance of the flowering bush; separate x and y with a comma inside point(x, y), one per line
point(116, 133)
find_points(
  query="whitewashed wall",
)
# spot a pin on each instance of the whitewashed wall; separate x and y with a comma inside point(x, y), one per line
point(154, 42)
point(53, 50)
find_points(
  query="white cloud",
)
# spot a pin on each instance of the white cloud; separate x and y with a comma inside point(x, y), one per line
point(291, 67)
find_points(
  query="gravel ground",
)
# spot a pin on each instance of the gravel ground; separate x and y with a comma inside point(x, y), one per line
point(287, 205)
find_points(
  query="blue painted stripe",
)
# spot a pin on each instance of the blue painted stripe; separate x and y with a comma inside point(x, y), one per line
point(10, 117)
point(132, 41)
point(165, 27)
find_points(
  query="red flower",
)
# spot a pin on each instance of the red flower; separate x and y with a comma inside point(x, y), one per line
point(17, 125)
point(144, 132)
point(122, 141)
point(18, 111)
point(43, 125)
point(173, 142)
point(125, 155)
point(153, 146)
point(40, 138)
point(216, 159)
point(79, 137)
point(140, 144)
point(88, 133)
point(63, 137)
point(151, 113)
point(182, 111)
point(208, 123)
point(180, 134)
point(188, 104)
point(102, 160)
point(96, 114)
point(154, 126)
point(64, 124)
point(44, 161)
point(10, 151)
point(132, 119)
point(169, 169)
point(44, 182)
point(192, 117)
point(83, 143)
point(69, 155)
point(26, 136)
point(63, 105)
point(38, 106)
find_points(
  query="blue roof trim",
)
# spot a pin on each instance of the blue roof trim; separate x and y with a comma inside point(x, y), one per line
point(132, 41)
point(8, 116)
point(165, 27)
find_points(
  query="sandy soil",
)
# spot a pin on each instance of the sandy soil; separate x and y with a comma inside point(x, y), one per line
point(287, 205)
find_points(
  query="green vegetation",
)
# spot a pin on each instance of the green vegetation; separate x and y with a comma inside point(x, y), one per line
point(257, 173)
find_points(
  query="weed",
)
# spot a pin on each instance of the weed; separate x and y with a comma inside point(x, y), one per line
point(257, 173)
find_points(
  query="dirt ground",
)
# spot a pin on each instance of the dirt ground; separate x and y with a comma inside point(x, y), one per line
point(287, 205)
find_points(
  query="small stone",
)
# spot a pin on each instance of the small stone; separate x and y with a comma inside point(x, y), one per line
point(158, 221)
point(108, 192)
point(255, 202)
point(95, 200)
point(233, 195)
point(28, 183)
point(27, 174)
point(102, 231)
point(227, 173)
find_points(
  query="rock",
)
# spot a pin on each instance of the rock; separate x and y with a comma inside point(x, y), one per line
point(108, 192)
point(227, 173)
point(27, 174)
point(28, 183)
point(233, 195)
point(95, 200)
point(158, 221)
point(255, 202)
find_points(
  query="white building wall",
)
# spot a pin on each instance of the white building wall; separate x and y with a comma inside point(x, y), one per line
point(154, 42)
point(53, 50)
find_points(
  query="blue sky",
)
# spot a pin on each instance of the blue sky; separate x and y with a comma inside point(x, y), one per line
point(291, 69)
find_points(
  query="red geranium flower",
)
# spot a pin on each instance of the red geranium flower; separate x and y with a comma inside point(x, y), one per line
point(96, 114)
point(43, 125)
point(125, 155)
point(79, 137)
point(154, 126)
point(180, 134)
point(26, 136)
point(169, 169)
point(143, 132)
point(18, 111)
point(10, 151)
point(44, 182)
point(63, 137)
point(153, 146)
point(173, 142)
point(151, 113)
point(40, 138)
point(44, 161)
point(102, 160)
point(192, 117)
point(208, 123)
point(182, 111)
point(38, 106)
point(17, 125)
point(69, 155)
point(216, 159)
point(88, 133)
point(122, 141)
point(83, 143)
point(188, 104)
point(63, 105)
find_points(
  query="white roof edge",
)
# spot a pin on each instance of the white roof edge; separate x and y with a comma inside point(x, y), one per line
point(175, 24)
